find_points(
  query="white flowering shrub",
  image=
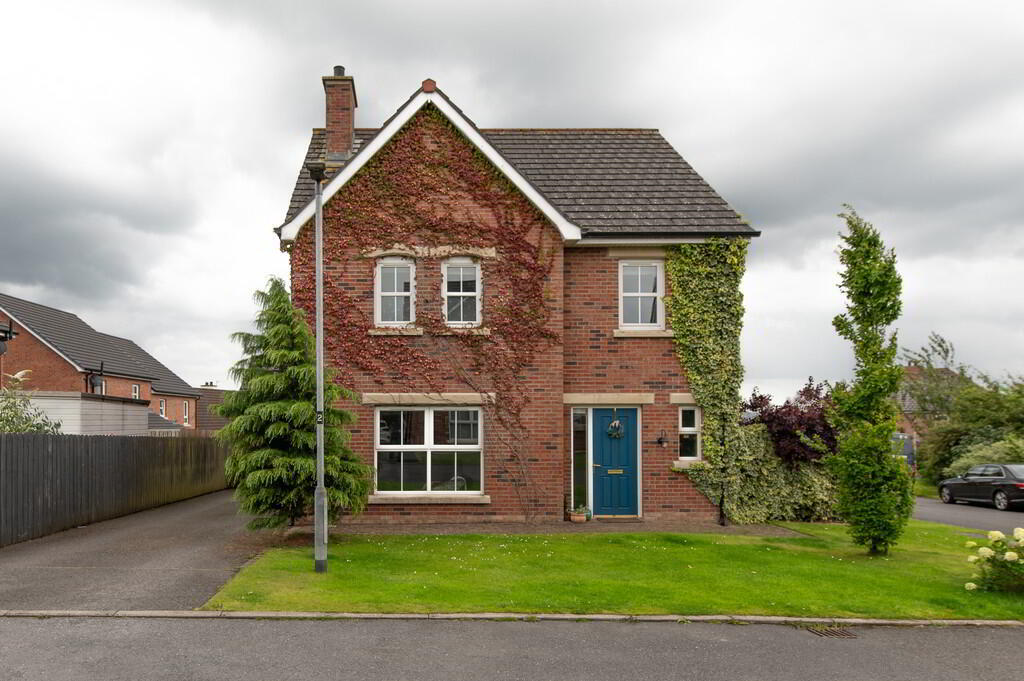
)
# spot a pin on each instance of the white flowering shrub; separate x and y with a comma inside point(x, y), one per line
point(999, 565)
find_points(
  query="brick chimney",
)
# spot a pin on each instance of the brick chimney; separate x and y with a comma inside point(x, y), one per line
point(340, 91)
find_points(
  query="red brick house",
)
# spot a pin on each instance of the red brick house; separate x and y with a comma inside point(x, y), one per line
point(494, 299)
point(67, 355)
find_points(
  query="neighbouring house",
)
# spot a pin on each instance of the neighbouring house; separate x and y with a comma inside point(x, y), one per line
point(158, 425)
point(495, 299)
point(211, 396)
point(913, 418)
point(67, 355)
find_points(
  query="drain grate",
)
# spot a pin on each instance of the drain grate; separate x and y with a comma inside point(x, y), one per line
point(832, 632)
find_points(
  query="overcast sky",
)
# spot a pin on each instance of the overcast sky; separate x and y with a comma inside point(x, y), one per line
point(147, 149)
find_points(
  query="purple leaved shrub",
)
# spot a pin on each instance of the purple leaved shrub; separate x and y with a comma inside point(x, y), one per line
point(799, 428)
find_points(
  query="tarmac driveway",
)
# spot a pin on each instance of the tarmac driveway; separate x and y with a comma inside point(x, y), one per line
point(969, 515)
point(169, 558)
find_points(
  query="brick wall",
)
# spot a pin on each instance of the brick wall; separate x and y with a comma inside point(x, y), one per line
point(588, 359)
point(598, 362)
point(49, 370)
point(540, 447)
point(122, 387)
point(175, 408)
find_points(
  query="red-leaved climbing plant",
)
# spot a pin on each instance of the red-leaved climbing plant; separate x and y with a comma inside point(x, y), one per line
point(430, 187)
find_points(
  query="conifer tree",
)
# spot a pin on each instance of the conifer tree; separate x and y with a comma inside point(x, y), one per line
point(272, 428)
point(874, 486)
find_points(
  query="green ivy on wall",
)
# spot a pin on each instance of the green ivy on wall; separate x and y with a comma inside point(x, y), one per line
point(705, 309)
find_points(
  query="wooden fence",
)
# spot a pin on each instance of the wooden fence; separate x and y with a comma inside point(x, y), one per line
point(50, 483)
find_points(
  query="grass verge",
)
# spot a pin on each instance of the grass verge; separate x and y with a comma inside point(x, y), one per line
point(820, 574)
point(925, 489)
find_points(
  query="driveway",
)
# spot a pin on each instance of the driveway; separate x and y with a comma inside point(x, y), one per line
point(136, 649)
point(171, 557)
point(965, 515)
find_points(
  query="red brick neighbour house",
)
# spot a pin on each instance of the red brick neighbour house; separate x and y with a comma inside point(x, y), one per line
point(67, 355)
point(495, 301)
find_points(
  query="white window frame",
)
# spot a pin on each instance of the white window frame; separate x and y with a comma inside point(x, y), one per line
point(377, 293)
point(184, 413)
point(103, 386)
point(429, 446)
point(163, 408)
point(478, 295)
point(698, 422)
point(659, 297)
point(136, 391)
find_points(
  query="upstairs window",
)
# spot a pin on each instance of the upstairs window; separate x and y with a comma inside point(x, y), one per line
point(641, 291)
point(461, 292)
point(163, 408)
point(394, 292)
point(184, 417)
point(135, 391)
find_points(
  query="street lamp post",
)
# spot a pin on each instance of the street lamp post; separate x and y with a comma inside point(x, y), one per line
point(316, 171)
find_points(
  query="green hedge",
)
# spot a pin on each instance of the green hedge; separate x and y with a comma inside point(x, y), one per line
point(759, 487)
point(705, 308)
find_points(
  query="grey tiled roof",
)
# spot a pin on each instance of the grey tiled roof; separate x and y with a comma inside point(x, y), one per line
point(157, 422)
point(87, 347)
point(304, 186)
point(76, 340)
point(609, 182)
point(165, 381)
point(207, 419)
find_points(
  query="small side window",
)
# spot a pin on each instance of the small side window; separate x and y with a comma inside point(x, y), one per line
point(689, 432)
point(135, 391)
point(163, 408)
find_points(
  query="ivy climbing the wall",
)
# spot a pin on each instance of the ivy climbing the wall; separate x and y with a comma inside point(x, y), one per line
point(705, 309)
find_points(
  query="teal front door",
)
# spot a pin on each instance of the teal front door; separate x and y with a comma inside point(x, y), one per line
point(615, 469)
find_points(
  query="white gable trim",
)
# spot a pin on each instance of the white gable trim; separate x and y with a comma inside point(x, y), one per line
point(41, 340)
point(568, 230)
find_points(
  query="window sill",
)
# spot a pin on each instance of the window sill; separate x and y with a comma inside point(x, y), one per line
point(683, 464)
point(407, 499)
point(396, 331)
point(465, 331)
point(642, 333)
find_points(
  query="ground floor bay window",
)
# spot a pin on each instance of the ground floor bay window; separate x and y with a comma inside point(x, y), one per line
point(428, 449)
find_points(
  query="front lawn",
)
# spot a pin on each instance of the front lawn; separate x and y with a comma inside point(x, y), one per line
point(822, 574)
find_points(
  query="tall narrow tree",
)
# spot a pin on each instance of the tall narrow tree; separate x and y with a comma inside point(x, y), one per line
point(272, 428)
point(874, 486)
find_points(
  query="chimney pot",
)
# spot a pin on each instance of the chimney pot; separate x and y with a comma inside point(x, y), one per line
point(339, 70)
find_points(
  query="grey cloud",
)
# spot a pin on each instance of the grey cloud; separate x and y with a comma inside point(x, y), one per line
point(73, 238)
point(869, 127)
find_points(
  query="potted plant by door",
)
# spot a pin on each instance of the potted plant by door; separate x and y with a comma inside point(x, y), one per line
point(578, 514)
